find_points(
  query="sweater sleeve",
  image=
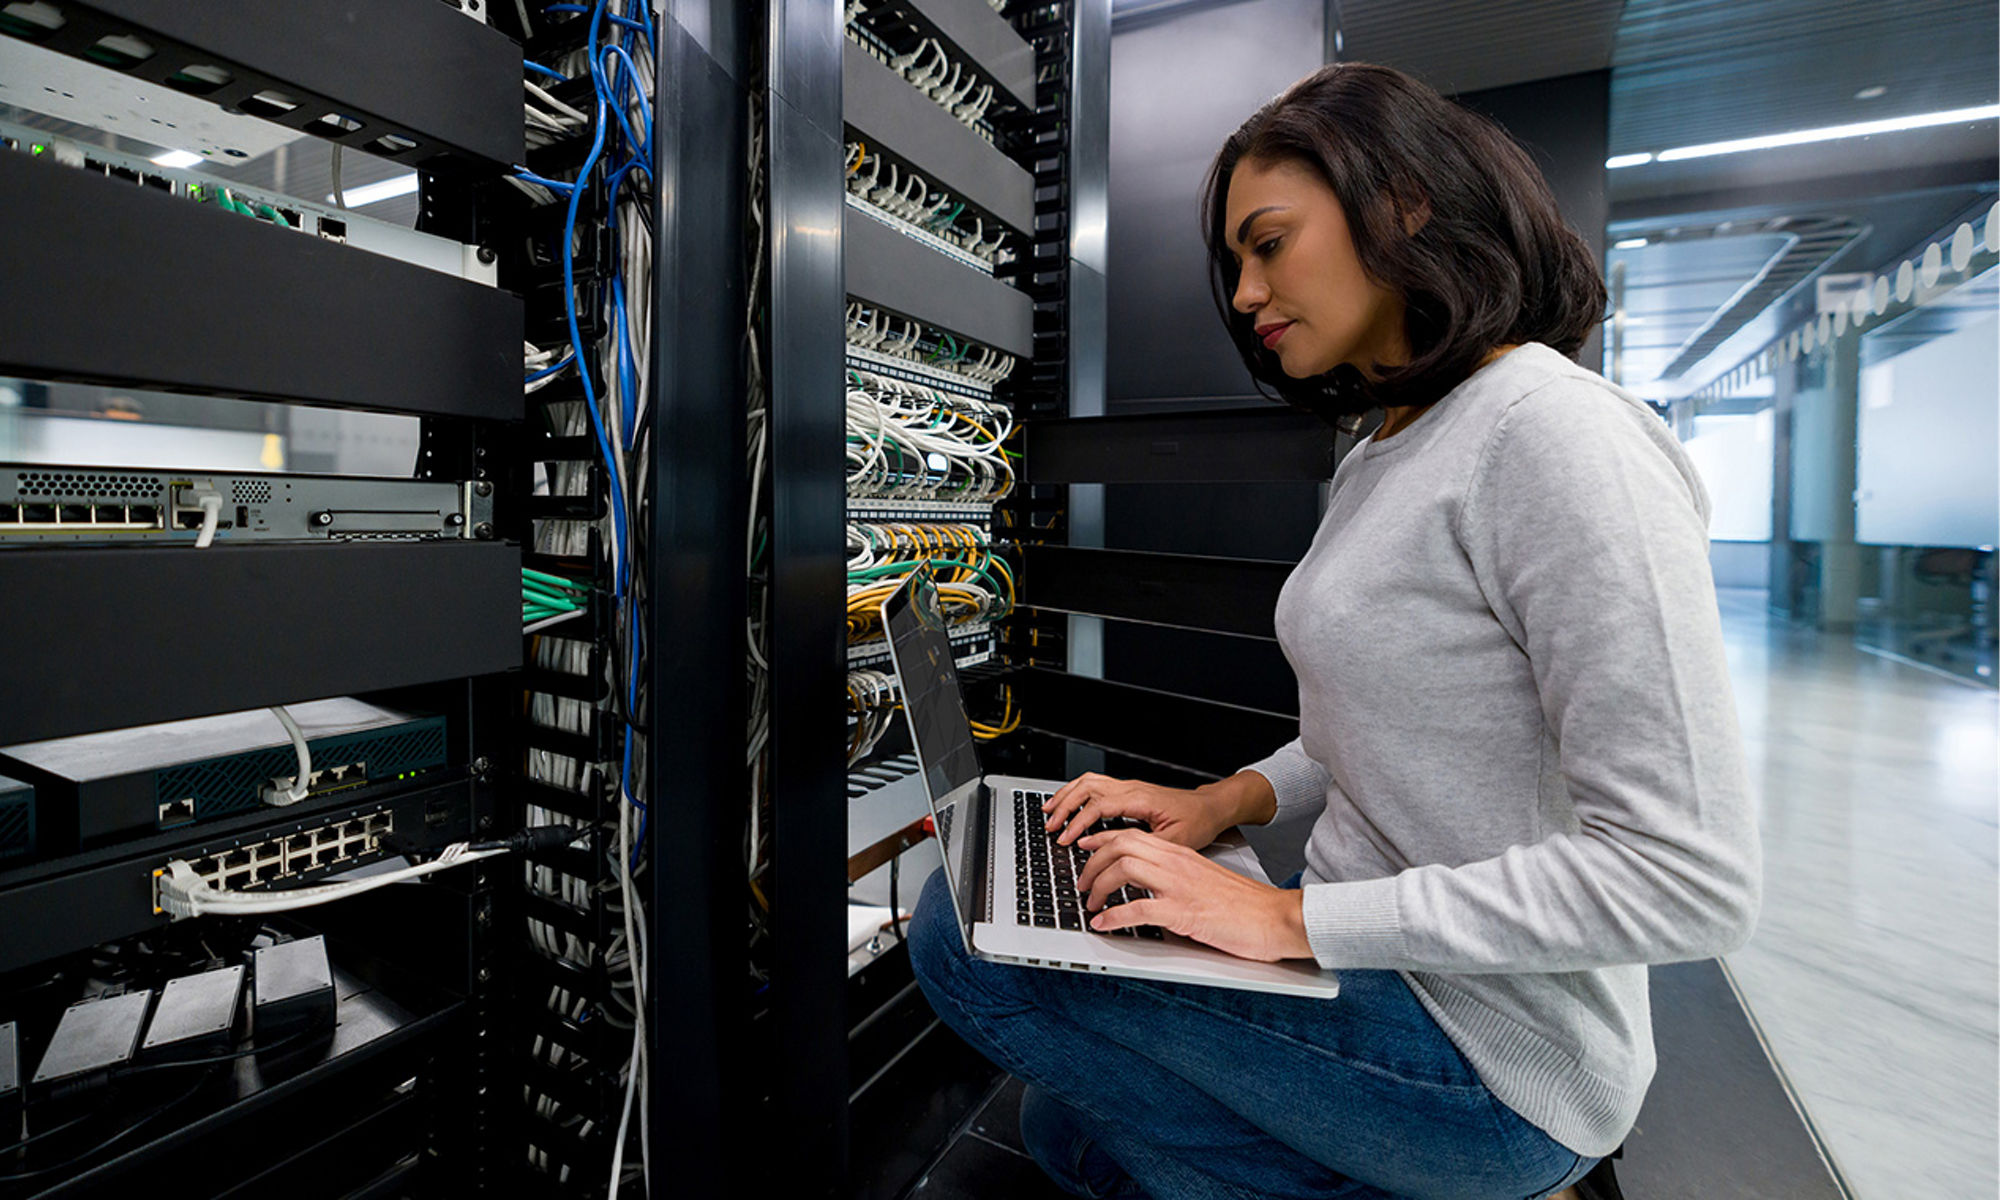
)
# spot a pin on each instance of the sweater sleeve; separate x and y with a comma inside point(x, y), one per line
point(1587, 532)
point(1297, 778)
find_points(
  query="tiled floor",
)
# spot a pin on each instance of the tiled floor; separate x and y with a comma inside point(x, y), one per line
point(986, 1161)
point(1873, 970)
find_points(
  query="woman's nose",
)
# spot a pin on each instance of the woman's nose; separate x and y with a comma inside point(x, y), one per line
point(1251, 294)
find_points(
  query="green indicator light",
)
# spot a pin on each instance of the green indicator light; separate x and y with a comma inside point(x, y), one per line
point(37, 148)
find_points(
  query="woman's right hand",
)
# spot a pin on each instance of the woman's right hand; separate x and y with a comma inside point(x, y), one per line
point(1191, 818)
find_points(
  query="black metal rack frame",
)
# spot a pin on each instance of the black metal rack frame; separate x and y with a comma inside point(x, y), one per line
point(105, 638)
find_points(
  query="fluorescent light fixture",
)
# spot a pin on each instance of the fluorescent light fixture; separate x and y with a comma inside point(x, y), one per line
point(1871, 92)
point(1628, 243)
point(1627, 160)
point(177, 159)
point(1800, 137)
point(388, 189)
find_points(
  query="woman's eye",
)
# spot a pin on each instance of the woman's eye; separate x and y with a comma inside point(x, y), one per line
point(1268, 248)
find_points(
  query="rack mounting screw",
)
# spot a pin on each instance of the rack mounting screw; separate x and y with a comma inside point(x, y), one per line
point(323, 518)
point(483, 488)
point(481, 765)
point(483, 531)
point(486, 254)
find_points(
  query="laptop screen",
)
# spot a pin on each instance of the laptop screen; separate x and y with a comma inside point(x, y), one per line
point(921, 648)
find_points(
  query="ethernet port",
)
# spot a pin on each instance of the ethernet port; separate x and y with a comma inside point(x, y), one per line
point(38, 514)
point(9, 513)
point(110, 514)
point(74, 514)
point(187, 520)
point(143, 514)
point(332, 229)
point(177, 812)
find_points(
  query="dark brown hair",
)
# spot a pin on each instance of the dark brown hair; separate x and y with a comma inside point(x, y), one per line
point(1492, 262)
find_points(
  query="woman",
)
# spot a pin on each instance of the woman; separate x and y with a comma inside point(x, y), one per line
point(1514, 718)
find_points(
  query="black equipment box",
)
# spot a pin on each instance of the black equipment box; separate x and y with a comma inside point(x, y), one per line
point(93, 1038)
point(196, 1017)
point(101, 787)
point(292, 989)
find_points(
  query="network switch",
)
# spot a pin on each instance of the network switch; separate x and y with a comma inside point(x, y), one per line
point(102, 787)
point(85, 504)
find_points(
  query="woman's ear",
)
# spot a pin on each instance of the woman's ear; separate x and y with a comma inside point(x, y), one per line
point(1415, 211)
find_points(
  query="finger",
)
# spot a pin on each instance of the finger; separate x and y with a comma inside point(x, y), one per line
point(1130, 862)
point(1090, 812)
point(1066, 790)
point(1108, 881)
point(1061, 812)
point(1136, 912)
point(1105, 849)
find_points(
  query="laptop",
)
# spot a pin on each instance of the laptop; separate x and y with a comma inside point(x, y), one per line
point(1012, 887)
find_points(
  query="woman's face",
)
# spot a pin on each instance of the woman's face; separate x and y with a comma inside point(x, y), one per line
point(1302, 283)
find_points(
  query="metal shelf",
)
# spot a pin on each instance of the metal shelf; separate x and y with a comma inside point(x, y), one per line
point(987, 38)
point(1185, 591)
point(422, 73)
point(106, 638)
point(882, 106)
point(137, 288)
point(901, 273)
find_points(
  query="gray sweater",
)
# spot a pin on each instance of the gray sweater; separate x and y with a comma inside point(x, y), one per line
point(1514, 708)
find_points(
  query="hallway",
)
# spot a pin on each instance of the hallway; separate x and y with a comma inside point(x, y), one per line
point(1873, 970)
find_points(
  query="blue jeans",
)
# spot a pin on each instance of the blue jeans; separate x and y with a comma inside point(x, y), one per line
point(1169, 1091)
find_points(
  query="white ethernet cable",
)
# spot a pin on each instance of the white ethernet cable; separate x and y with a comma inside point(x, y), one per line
point(186, 894)
point(277, 792)
point(211, 516)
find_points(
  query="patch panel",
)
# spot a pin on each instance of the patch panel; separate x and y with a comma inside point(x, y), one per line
point(305, 851)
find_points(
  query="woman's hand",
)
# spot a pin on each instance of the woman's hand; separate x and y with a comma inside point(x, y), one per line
point(1188, 818)
point(1191, 896)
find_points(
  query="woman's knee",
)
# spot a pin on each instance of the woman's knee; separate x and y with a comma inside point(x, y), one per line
point(950, 976)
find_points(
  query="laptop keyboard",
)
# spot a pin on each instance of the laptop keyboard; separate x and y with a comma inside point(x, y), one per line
point(1045, 873)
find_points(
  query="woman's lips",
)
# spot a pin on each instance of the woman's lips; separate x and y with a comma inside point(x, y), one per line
point(1271, 333)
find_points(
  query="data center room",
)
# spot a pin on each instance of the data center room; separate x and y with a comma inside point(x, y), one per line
point(324, 873)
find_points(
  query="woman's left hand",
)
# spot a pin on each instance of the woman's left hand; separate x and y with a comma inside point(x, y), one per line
point(1191, 896)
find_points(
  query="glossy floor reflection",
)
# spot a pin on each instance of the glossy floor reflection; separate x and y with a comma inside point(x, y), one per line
point(1874, 970)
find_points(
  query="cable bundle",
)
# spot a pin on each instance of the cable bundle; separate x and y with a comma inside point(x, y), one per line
point(954, 85)
point(880, 332)
point(871, 711)
point(906, 196)
point(549, 599)
point(613, 373)
point(909, 441)
point(974, 584)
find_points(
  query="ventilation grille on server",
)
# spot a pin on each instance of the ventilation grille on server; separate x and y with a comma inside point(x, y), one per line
point(250, 491)
point(223, 786)
point(88, 486)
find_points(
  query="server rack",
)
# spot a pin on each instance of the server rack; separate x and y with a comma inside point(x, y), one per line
point(413, 1093)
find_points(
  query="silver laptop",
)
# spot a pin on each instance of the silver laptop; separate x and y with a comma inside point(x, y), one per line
point(1012, 887)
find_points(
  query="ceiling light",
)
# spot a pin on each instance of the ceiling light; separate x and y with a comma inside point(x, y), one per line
point(177, 159)
point(1628, 243)
point(1627, 160)
point(1871, 93)
point(1800, 137)
point(388, 189)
